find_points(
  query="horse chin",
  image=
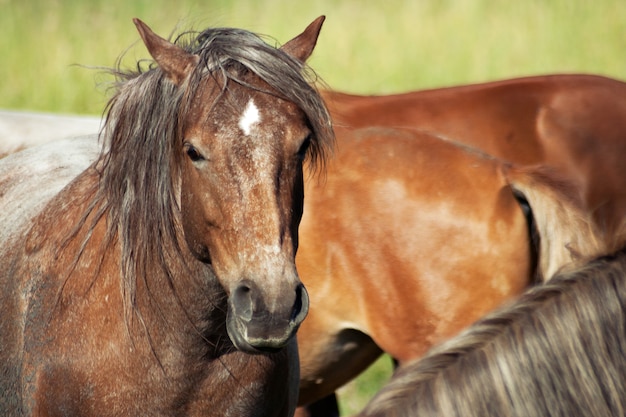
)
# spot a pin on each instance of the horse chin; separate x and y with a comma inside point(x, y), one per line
point(238, 334)
point(253, 328)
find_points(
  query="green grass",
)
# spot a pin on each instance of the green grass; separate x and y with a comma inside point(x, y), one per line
point(353, 396)
point(366, 46)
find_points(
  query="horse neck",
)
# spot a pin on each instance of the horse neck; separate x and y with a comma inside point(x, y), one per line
point(178, 298)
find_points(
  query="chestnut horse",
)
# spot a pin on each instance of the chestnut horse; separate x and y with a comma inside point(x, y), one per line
point(410, 225)
point(161, 280)
point(558, 350)
point(576, 124)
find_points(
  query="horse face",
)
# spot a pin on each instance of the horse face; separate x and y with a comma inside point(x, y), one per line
point(241, 199)
point(241, 192)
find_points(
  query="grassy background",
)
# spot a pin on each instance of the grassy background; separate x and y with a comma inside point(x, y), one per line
point(366, 46)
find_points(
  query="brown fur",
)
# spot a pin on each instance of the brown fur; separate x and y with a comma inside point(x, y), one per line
point(434, 172)
point(576, 124)
point(557, 350)
point(161, 280)
point(404, 224)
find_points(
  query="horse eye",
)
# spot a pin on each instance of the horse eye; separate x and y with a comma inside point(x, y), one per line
point(304, 148)
point(193, 154)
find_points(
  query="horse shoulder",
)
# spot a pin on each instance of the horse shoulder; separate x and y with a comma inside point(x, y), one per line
point(30, 181)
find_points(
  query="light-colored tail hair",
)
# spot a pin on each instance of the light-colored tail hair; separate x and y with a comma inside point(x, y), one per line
point(567, 233)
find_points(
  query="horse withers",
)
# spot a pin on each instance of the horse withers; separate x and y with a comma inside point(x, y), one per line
point(161, 279)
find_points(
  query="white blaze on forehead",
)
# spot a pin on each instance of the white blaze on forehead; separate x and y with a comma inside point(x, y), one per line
point(249, 118)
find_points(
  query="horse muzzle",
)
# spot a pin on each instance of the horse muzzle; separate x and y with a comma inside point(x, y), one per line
point(259, 324)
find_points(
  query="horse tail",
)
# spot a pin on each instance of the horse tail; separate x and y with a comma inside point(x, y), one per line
point(565, 232)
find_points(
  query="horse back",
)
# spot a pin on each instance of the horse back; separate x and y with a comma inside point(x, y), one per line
point(574, 123)
point(510, 119)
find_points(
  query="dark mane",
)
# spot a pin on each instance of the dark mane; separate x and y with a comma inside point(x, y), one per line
point(138, 166)
point(558, 350)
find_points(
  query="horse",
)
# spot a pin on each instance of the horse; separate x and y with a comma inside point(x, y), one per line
point(161, 279)
point(482, 196)
point(334, 350)
point(406, 224)
point(558, 350)
point(573, 122)
point(21, 129)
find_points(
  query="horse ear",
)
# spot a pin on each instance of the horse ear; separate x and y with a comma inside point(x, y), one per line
point(301, 47)
point(173, 60)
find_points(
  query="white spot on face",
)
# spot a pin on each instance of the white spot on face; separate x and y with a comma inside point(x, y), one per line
point(249, 118)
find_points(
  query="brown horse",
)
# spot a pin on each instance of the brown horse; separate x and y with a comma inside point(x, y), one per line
point(407, 224)
point(575, 123)
point(558, 350)
point(161, 280)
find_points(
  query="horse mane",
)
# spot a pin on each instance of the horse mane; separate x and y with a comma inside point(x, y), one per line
point(139, 167)
point(557, 350)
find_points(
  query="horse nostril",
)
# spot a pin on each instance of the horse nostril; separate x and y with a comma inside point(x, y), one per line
point(250, 307)
point(301, 305)
point(243, 290)
point(242, 300)
point(297, 306)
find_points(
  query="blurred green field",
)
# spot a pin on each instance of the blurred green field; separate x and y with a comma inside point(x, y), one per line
point(366, 46)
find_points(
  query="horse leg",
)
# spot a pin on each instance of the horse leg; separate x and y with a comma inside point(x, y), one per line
point(327, 407)
point(328, 361)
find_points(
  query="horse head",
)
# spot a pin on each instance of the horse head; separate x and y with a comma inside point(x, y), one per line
point(246, 124)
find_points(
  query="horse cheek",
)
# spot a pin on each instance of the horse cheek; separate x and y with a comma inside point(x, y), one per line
point(196, 222)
